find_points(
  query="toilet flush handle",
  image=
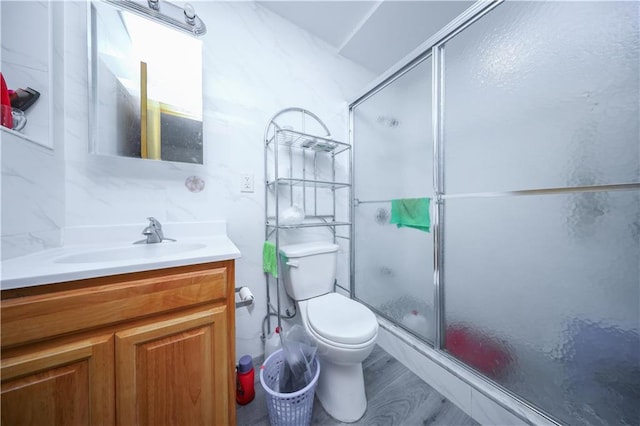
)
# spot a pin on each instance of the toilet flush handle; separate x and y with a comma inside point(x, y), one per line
point(293, 264)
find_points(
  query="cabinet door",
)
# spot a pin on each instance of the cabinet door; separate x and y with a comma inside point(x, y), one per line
point(174, 371)
point(60, 384)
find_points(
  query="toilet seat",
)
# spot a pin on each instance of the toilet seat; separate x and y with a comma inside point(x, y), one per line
point(340, 345)
point(341, 321)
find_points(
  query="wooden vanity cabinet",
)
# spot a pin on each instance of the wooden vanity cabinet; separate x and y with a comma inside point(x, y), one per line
point(68, 383)
point(148, 348)
point(171, 372)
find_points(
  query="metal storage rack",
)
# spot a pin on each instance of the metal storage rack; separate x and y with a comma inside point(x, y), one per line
point(281, 139)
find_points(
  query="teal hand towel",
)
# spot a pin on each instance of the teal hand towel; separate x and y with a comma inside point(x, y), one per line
point(269, 259)
point(411, 213)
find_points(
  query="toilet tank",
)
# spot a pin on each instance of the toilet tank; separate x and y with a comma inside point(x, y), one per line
point(308, 269)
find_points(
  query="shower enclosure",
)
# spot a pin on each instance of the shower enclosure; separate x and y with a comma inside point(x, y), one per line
point(521, 124)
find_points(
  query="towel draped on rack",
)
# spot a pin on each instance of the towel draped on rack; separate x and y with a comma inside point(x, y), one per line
point(411, 213)
point(269, 259)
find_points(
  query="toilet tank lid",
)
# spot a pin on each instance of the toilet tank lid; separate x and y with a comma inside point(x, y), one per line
point(308, 249)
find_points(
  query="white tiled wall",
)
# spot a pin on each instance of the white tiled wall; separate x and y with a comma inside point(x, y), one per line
point(32, 203)
point(32, 174)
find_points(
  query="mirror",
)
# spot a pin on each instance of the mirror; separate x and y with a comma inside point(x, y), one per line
point(146, 87)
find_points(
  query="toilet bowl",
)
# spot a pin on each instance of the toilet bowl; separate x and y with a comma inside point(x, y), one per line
point(344, 330)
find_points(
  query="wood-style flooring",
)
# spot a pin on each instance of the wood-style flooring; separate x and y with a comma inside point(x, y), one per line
point(395, 396)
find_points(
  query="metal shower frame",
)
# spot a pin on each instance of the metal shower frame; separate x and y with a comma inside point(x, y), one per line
point(434, 47)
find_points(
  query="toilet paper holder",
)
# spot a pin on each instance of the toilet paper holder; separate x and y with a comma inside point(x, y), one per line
point(246, 297)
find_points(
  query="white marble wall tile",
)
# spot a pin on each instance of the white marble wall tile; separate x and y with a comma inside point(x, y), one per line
point(32, 197)
point(25, 40)
point(26, 177)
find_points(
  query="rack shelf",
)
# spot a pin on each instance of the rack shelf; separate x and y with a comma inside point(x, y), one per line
point(309, 225)
point(310, 163)
point(295, 139)
point(308, 182)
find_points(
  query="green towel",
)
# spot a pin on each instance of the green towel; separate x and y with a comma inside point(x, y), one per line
point(411, 213)
point(269, 259)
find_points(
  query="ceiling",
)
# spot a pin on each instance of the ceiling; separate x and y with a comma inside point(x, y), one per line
point(375, 34)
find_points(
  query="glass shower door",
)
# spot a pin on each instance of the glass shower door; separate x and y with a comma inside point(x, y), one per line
point(393, 159)
point(541, 269)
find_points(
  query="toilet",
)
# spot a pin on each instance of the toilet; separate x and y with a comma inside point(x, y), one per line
point(344, 329)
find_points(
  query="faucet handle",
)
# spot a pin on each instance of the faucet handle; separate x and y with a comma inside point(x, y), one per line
point(153, 232)
point(155, 224)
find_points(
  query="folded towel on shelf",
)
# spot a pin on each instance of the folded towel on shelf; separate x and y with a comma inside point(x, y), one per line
point(269, 259)
point(411, 213)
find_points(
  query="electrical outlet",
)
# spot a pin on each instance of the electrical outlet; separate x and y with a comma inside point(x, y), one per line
point(246, 184)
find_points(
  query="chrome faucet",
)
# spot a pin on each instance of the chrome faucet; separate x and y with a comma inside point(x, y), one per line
point(153, 232)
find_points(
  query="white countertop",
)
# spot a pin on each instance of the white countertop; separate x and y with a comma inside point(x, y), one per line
point(200, 242)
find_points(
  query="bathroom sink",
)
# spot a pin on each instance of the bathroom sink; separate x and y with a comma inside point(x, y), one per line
point(141, 251)
point(105, 250)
